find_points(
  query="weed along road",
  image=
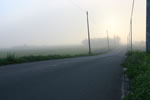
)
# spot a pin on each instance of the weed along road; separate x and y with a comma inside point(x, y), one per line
point(83, 78)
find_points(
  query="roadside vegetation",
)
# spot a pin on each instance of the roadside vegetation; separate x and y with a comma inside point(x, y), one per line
point(12, 59)
point(138, 71)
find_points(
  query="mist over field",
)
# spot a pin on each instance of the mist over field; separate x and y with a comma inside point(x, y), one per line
point(74, 49)
point(63, 22)
point(98, 45)
point(43, 27)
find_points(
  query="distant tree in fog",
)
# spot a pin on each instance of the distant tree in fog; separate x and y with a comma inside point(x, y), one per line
point(102, 42)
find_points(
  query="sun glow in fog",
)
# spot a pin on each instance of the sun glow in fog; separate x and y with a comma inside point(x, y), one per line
point(112, 24)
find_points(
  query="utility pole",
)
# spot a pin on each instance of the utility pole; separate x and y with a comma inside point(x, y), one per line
point(131, 32)
point(131, 23)
point(148, 26)
point(114, 41)
point(108, 40)
point(88, 28)
point(127, 42)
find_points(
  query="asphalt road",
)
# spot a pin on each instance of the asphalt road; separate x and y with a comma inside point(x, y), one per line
point(84, 78)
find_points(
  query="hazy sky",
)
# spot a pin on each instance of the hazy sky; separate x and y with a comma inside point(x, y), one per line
point(63, 22)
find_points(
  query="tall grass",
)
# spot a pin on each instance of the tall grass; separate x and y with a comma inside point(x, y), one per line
point(12, 59)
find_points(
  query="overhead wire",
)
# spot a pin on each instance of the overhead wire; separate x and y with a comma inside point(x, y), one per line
point(92, 18)
point(77, 6)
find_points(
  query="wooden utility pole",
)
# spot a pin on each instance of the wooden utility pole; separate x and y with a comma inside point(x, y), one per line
point(108, 40)
point(131, 33)
point(127, 42)
point(131, 23)
point(88, 28)
point(148, 26)
point(114, 41)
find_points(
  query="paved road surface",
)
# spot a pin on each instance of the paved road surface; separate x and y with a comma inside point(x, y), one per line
point(84, 78)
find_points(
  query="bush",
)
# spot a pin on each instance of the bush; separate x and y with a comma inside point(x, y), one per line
point(135, 63)
point(138, 70)
point(140, 87)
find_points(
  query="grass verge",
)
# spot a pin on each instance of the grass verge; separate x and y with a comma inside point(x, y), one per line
point(12, 59)
point(138, 71)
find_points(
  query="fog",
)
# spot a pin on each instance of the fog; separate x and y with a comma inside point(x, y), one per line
point(98, 45)
point(63, 22)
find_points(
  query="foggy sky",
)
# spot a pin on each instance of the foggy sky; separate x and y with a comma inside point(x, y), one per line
point(63, 22)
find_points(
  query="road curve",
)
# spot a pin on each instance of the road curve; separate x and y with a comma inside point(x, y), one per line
point(84, 78)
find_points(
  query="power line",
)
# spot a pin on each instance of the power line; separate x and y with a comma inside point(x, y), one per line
point(77, 6)
point(83, 10)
